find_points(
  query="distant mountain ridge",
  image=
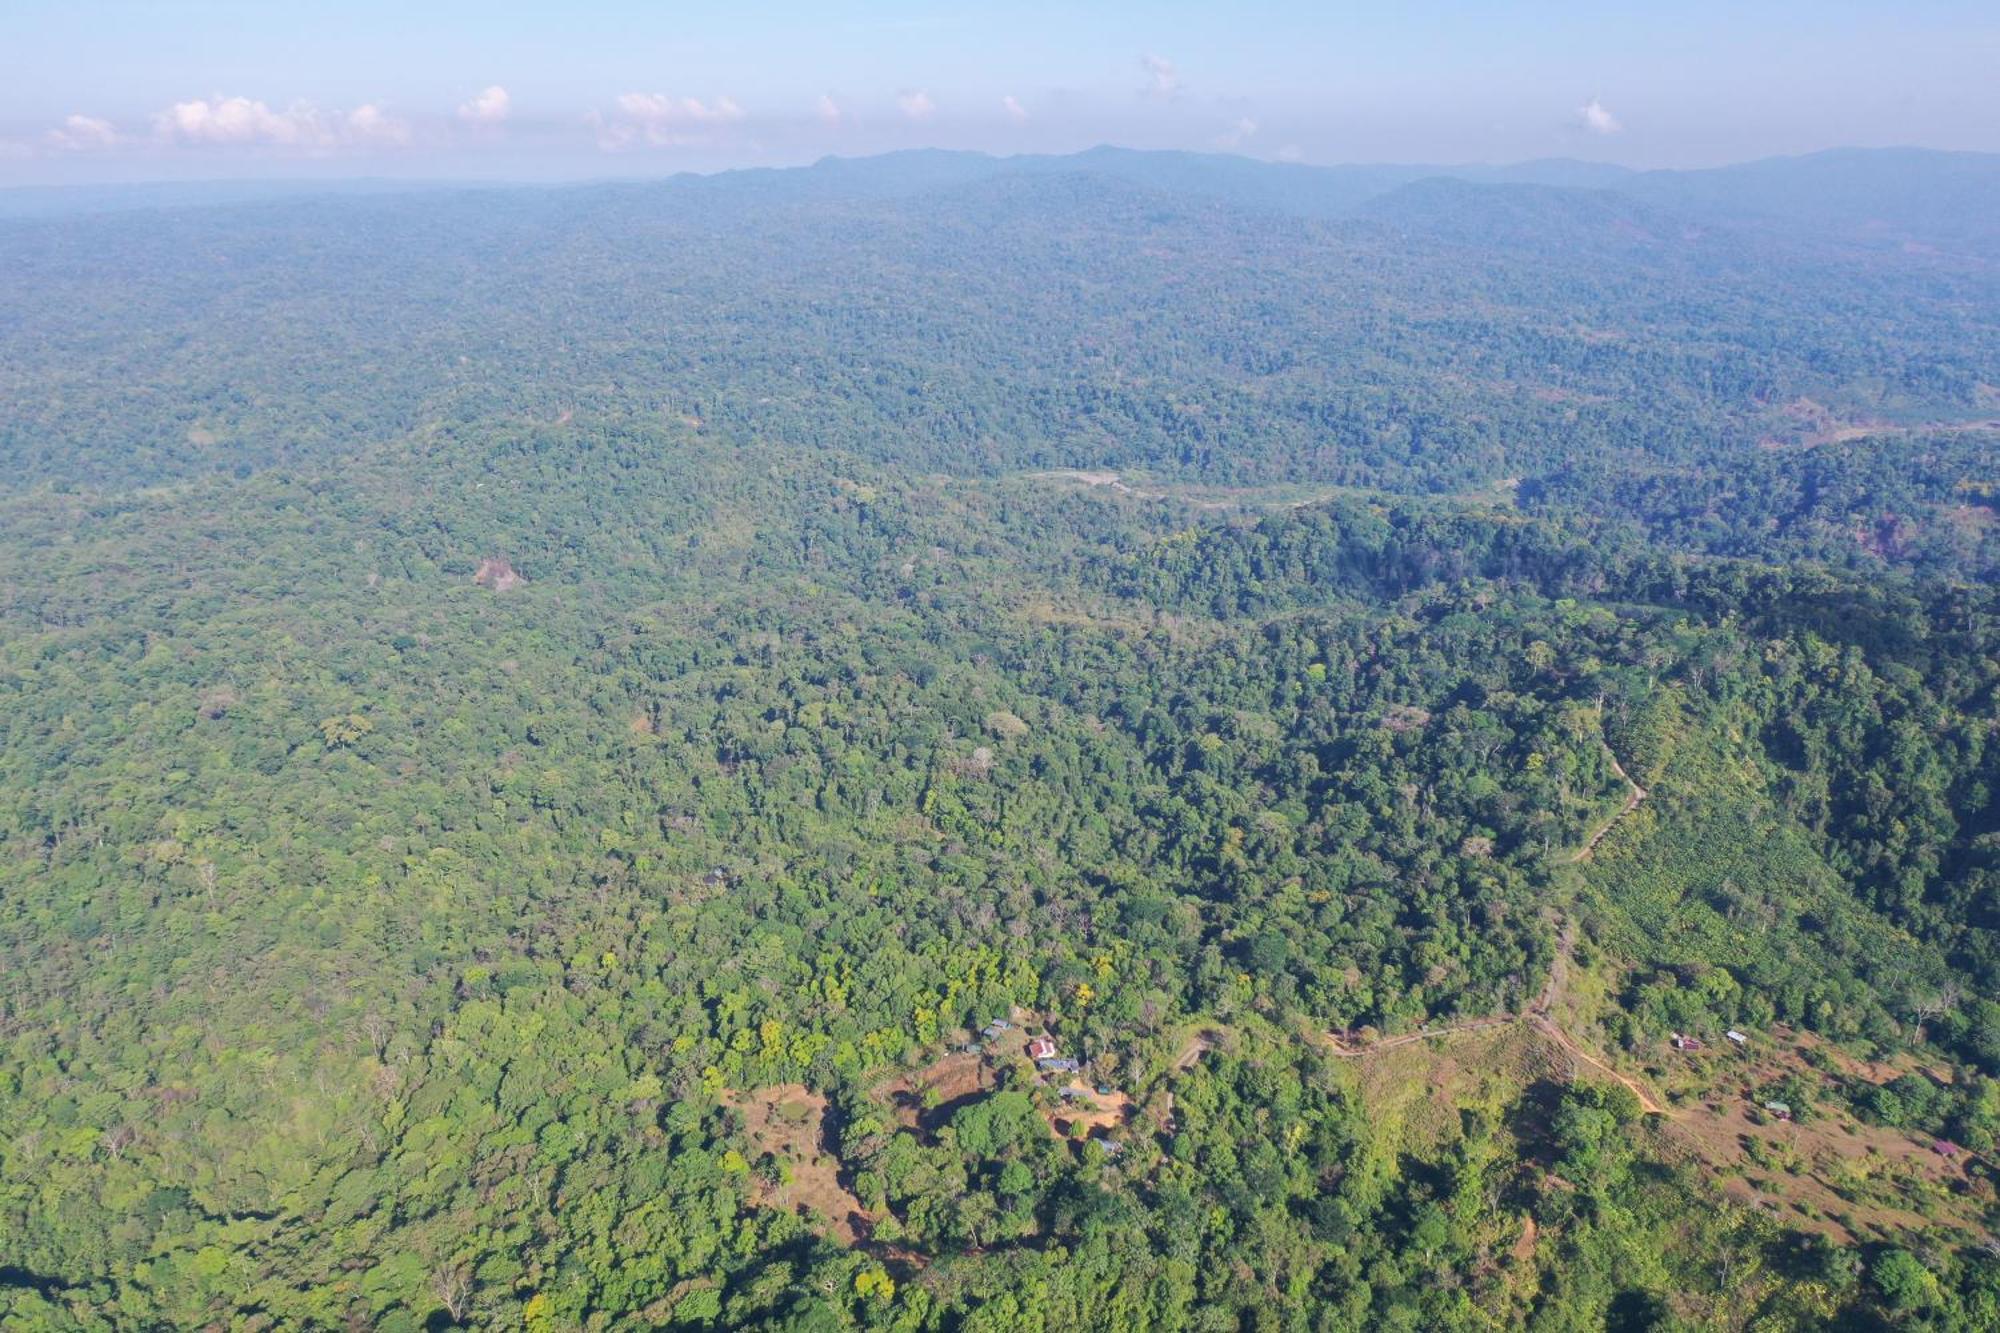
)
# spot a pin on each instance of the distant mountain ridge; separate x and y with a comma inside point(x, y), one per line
point(1911, 197)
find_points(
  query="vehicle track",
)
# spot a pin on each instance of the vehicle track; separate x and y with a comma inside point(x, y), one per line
point(1632, 799)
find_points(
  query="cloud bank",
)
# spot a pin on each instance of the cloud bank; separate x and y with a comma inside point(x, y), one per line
point(78, 134)
point(240, 120)
point(655, 120)
point(243, 122)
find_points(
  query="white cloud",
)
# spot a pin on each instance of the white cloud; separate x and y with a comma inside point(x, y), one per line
point(1163, 80)
point(1291, 152)
point(659, 109)
point(244, 122)
point(1597, 118)
point(916, 104)
point(1015, 111)
point(239, 120)
point(487, 108)
point(656, 120)
point(829, 110)
point(370, 124)
point(83, 133)
point(1238, 134)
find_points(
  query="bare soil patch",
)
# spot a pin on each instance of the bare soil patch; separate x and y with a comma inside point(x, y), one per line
point(789, 1122)
point(1091, 1113)
point(1524, 1248)
point(1850, 1181)
point(497, 573)
point(926, 1099)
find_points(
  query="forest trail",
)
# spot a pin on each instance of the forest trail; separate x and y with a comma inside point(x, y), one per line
point(1537, 1016)
point(1197, 1045)
point(1107, 479)
point(1348, 1051)
point(1545, 1025)
point(1632, 799)
point(1540, 1015)
point(1558, 982)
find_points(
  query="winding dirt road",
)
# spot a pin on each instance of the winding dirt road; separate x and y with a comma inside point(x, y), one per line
point(1347, 1051)
point(1537, 1015)
point(1545, 1025)
point(1632, 799)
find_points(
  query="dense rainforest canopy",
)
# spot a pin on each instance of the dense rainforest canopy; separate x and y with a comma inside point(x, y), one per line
point(558, 747)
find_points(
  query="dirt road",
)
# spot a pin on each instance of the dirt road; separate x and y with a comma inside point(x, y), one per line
point(1632, 799)
point(1537, 1015)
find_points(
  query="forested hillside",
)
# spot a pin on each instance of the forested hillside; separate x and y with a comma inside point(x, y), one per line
point(944, 744)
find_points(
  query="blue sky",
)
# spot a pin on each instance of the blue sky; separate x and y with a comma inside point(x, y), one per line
point(94, 90)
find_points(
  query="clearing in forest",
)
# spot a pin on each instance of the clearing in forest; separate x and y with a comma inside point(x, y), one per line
point(789, 1122)
point(925, 1099)
point(1089, 1113)
point(1833, 1173)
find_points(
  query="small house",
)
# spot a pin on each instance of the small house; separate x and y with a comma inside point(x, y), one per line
point(1737, 1037)
point(1042, 1048)
point(1779, 1109)
point(1944, 1149)
point(1055, 1065)
point(1683, 1043)
point(1111, 1147)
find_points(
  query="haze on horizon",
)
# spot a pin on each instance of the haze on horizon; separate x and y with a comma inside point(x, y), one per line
point(99, 91)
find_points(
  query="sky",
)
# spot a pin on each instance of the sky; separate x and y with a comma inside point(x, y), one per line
point(96, 91)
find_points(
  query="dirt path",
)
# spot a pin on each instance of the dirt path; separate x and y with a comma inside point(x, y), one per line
point(1536, 1015)
point(1109, 480)
point(1558, 982)
point(1198, 1045)
point(1545, 1025)
point(1536, 1019)
point(1718, 1127)
point(1346, 1051)
point(1632, 799)
point(1540, 1016)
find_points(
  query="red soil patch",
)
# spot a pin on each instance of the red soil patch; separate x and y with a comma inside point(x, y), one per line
point(1850, 1182)
point(925, 1100)
point(788, 1121)
point(1832, 1174)
point(1524, 1248)
point(497, 573)
point(1091, 1113)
